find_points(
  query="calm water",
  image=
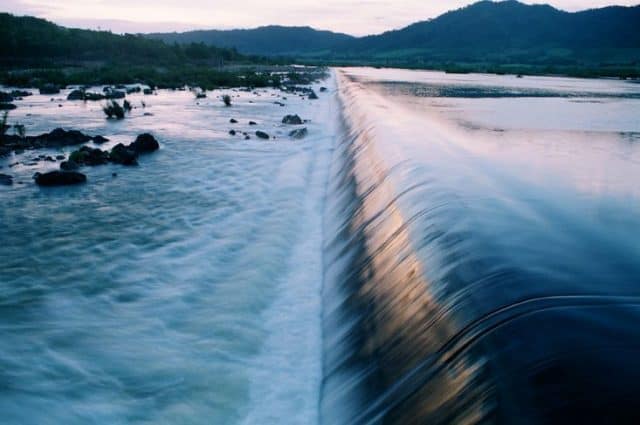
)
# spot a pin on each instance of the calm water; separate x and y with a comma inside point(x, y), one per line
point(439, 249)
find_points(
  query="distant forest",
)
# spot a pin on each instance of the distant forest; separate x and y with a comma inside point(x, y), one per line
point(28, 41)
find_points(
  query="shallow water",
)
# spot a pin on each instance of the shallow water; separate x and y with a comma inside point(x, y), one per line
point(185, 290)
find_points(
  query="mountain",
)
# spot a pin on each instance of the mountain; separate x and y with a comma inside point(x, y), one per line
point(270, 40)
point(506, 33)
point(513, 25)
point(27, 40)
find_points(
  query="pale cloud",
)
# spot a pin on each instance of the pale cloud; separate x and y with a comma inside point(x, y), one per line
point(350, 16)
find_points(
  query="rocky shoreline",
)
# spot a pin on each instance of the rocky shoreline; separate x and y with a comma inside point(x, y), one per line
point(121, 154)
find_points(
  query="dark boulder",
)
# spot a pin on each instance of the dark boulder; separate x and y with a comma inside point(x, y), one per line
point(313, 95)
point(253, 123)
point(115, 94)
point(7, 106)
point(60, 157)
point(60, 137)
point(89, 156)
point(100, 139)
point(49, 89)
point(233, 121)
point(6, 180)
point(299, 133)
point(124, 155)
point(262, 135)
point(5, 97)
point(20, 93)
point(145, 143)
point(76, 95)
point(292, 120)
point(147, 91)
point(323, 89)
point(232, 132)
point(69, 166)
point(59, 178)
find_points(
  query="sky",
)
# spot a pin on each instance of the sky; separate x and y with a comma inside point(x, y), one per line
point(357, 17)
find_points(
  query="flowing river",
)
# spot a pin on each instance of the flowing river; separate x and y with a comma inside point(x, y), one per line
point(439, 249)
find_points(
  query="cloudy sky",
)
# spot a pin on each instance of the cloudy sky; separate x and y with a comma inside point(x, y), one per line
point(350, 16)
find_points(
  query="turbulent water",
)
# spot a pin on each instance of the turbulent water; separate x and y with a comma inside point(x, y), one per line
point(485, 262)
point(439, 249)
point(185, 290)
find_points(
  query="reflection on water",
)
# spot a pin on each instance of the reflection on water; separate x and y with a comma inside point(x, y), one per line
point(483, 269)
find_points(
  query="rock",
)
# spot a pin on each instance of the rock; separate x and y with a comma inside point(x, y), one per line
point(247, 137)
point(49, 89)
point(147, 91)
point(100, 139)
point(292, 120)
point(313, 95)
point(59, 178)
point(20, 93)
point(7, 106)
point(124, 155)
point(299, 133)
point(89, 156)
point(6, 180)
point(60, 157)
point(69, 166)
point(49, 158)
point(233, 121)
point(253, 123)
point(262, 135)
point(76, 95)
point(59, 137)
point(5, 97)
point(145, 143)
point(201, 95)
point(323, 89)
point(232, 132)
point(115, 94)
point(135, 89)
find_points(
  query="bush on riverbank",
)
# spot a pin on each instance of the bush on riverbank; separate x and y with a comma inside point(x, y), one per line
point(204, 77)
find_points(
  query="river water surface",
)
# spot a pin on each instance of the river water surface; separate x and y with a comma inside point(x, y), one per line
point(439, 249)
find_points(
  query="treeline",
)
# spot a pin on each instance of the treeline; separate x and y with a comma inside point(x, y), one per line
point(28, 41)
point(205, 77)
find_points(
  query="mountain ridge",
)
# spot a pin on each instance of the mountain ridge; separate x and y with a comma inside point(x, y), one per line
point(485, 24)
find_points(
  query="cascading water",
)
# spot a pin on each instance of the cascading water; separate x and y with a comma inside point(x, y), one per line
point(462, 290)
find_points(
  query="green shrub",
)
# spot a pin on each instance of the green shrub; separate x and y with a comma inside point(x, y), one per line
point(113, 110)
